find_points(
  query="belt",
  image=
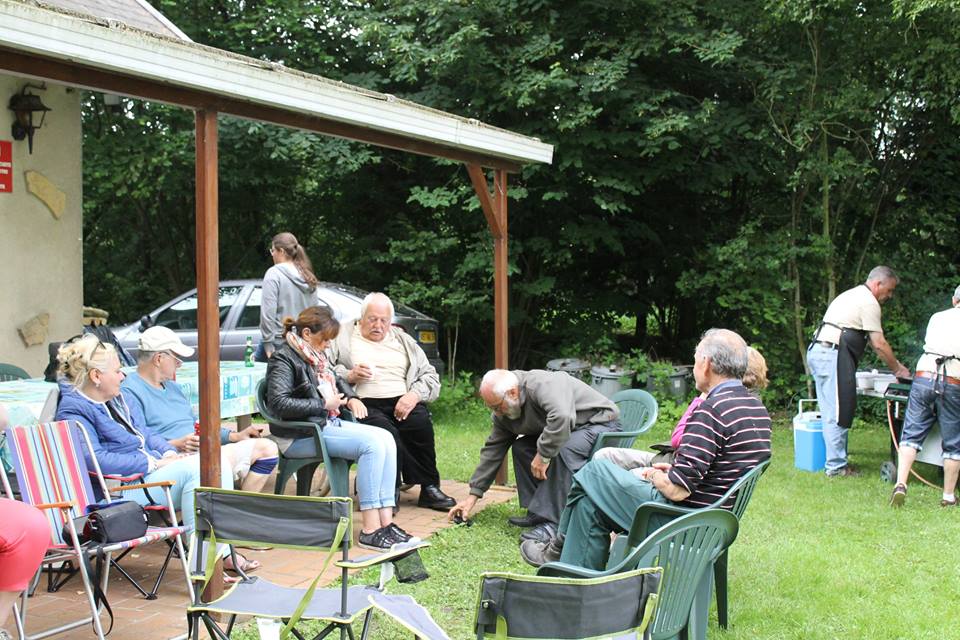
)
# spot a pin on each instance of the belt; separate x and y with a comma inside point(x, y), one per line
point(934, 376)
point(828, 345)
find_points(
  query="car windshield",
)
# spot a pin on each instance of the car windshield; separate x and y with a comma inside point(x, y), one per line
point(182, 315)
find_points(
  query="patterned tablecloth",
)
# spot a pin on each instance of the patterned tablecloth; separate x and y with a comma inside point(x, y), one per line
point(24, 399)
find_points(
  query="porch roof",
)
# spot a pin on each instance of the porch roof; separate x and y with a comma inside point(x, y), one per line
point(86, 51)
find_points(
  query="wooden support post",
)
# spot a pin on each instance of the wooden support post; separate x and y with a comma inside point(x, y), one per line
point(495, 210)
point(500, 277)
point(208, 311)
point(208, 306)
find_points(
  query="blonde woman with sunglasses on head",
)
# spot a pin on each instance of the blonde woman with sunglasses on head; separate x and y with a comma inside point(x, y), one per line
point(90, 395)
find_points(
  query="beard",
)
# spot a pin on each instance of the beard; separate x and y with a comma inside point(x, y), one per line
point(511, 409)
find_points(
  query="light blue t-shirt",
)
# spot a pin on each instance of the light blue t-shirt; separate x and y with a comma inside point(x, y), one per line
point(167, 411)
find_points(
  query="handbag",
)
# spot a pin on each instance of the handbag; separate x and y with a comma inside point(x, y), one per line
point(115, 522)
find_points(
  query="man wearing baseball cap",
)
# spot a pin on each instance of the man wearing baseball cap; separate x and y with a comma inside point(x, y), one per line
point(167, 411)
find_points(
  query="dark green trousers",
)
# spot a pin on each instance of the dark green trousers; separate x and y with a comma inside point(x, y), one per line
point(602, 499)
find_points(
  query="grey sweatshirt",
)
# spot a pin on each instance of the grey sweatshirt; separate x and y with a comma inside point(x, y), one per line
point(285, 293)
point(552, 405)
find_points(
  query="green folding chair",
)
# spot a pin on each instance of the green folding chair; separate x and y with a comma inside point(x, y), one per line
point(685, 549)
point(522, 607)
point(638, 412)
point(295, 522)
point(338, 469)
point(654, 514)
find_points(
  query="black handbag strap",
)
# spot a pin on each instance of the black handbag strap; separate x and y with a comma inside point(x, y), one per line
point(95, 575)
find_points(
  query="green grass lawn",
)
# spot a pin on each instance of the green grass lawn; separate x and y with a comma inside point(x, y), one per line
point(815, 558)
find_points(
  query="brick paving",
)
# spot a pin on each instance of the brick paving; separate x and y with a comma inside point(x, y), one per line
point(140, 619)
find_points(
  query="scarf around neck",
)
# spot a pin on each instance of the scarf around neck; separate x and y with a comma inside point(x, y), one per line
point(316, 360)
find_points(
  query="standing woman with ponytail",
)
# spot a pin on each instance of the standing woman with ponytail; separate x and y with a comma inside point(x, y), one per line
point(289, 287)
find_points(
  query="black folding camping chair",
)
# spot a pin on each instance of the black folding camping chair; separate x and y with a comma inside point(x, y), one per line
point(309, 524)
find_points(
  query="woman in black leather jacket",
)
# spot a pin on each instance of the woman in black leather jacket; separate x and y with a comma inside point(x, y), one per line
point(300, 386)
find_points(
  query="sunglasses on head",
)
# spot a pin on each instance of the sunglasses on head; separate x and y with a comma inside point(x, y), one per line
point(80, 336)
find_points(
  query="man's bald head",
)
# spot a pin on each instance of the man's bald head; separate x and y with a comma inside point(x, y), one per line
point(500, 391)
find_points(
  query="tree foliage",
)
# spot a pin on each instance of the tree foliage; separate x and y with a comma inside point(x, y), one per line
point(723, 163)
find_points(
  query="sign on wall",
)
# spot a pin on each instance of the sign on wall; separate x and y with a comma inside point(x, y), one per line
point(6, 166)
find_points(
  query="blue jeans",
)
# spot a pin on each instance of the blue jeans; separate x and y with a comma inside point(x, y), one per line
point(373, 449)
point(185, 474)
point(823, 365)
point(924, 407)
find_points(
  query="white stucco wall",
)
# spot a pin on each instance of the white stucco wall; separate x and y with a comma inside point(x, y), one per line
point(42, 257)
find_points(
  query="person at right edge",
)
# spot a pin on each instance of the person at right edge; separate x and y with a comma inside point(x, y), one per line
point(934, 396)
point(851, 320)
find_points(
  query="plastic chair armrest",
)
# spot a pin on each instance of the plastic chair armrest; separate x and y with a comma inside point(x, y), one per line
point(146, 485)
point(641, 519)
point(564, 570)
point(56, 505)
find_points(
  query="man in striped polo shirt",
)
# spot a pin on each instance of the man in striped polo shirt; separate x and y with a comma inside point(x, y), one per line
point(726, 436)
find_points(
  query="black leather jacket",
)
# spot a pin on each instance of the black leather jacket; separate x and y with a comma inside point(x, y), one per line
point(292, 392)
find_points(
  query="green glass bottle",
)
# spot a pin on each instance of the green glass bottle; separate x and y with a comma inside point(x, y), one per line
point(248, 353)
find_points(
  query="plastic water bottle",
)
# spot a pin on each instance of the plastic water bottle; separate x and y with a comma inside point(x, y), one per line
point(248, 353)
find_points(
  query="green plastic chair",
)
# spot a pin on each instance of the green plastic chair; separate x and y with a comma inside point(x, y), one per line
point(653, 514)
point(338, 469)
point(685, 549)
point(638, 412)
point(12, 372)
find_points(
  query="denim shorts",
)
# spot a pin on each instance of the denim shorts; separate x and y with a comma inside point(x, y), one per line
point(920, 416)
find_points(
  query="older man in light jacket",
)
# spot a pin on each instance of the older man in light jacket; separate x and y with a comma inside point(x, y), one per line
point(395, 381)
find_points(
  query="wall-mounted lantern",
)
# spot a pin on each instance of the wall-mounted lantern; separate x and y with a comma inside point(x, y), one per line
point(25, 105)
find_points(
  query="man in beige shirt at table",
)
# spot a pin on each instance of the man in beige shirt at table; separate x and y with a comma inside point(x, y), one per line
point(851, 321)
point(395, 381)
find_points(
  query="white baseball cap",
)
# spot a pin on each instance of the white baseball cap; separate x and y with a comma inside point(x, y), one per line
point(163, 339)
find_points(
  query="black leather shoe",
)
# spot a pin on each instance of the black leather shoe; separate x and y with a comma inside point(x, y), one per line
point(529, 520)
point(432, 498)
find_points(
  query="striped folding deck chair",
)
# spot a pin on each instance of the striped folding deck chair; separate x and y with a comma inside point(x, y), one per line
point(53, 476)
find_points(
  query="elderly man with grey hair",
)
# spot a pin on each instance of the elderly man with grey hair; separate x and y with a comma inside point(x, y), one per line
point(726, 436)
point(395, 382)
point(851, 321)
point(551, 421)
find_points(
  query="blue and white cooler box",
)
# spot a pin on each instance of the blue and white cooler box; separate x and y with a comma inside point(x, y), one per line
point(809, 451)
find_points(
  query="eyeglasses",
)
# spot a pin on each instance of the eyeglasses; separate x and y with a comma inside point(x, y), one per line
point(498, 408)
point(176, 361)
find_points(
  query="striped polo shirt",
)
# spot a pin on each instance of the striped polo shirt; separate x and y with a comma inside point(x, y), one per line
point(727, 435)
